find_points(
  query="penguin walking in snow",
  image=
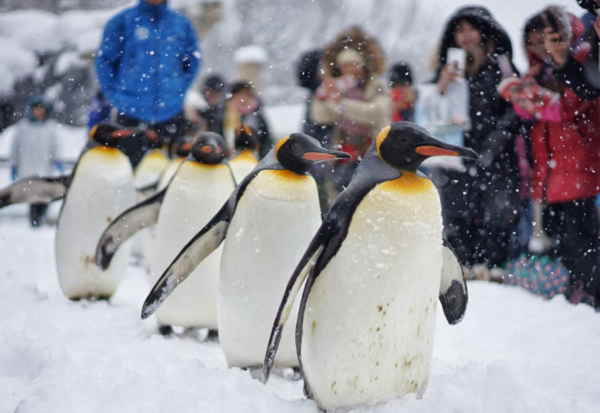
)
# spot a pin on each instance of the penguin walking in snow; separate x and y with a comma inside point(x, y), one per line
point(375, 269)
point(245, 157)
point(268, 221)
point(99, 188)
point(195, 193)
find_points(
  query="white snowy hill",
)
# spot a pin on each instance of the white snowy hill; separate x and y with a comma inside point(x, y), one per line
point(513, 353)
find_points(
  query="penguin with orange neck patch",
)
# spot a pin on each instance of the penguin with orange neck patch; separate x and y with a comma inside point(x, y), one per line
point(195, 193)
point(375, 268)
point(267, 223)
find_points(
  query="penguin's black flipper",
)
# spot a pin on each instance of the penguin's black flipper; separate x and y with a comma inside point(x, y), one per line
point(199, 247)
point(453, 287)
point(306, 264)
point(35, 190)
point(125, 226)
point(148, 190)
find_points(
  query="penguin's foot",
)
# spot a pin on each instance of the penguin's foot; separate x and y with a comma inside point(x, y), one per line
point(165, 330)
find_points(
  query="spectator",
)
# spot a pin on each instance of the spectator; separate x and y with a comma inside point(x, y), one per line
point(213, 92)
point(245, 107)
point(146, 63)
point(566, 150)
point(353, 98)
point(308, 78)
point(403, 94)
point(583, 77)
point(34, 150)
point(481, 203)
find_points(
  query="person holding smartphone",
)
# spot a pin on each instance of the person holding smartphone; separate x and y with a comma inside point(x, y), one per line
point(482, 202)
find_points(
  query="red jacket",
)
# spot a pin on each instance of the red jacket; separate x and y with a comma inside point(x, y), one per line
point(566, 154)
point(566, 151)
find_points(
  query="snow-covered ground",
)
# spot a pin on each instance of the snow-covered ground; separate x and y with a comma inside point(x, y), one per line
point(512, 353)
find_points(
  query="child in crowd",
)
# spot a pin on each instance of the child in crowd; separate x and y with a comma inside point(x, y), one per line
point(34, 149)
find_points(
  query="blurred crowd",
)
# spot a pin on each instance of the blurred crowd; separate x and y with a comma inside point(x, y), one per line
point(533, 191)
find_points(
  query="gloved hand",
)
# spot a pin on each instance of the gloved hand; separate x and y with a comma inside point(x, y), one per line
point(14, 173)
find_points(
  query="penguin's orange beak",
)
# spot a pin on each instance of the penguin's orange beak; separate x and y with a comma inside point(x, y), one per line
point(207, 149)
point(435, 151)
point(313, 156)
point(123, 133)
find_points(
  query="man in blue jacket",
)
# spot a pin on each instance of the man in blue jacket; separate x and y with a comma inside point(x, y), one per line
point(146, 63)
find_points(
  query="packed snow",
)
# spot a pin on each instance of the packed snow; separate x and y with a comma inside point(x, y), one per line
point(513, 352)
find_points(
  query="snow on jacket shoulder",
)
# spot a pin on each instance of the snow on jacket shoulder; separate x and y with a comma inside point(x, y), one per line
point(147, 61)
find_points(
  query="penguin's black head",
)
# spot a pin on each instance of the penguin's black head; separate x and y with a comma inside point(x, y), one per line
point(298, 152)
point(182, 147)
point(112, 134)
point(209, 147)
point(246, 138)
point(405, 146)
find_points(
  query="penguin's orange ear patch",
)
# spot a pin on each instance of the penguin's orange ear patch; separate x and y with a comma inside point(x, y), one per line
point(186, 146)
point(428, 150)
point(123, 133)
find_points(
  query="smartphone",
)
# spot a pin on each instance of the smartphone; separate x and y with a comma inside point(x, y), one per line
point(458, 56)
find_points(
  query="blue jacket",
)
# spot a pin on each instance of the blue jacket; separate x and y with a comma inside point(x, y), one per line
point(147, 61)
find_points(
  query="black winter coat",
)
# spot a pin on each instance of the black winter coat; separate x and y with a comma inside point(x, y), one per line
point(494, 125)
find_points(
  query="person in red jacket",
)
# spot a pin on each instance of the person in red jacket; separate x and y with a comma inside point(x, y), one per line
point(565, 140)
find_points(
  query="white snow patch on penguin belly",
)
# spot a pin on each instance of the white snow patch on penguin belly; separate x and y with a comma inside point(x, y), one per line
point(370, 317)
point(101, 189)
point(270, 231)
point(193, 198)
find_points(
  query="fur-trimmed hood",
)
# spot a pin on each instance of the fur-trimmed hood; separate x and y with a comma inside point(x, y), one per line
point(357, 39)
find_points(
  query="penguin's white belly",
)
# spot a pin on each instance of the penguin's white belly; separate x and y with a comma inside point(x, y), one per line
point(168, 173)
point(242, 165)
point(195, 195)
point(147, 172)
point(150, 168)
point(274, 222)
point(369, 321)
point(101, 189)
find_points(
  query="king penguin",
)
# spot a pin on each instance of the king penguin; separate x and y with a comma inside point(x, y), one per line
point(245, 157)
point(375, 268)
point(195, 193)
point(267, 222)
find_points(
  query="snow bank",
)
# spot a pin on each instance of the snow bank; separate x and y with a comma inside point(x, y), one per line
point(513, 353)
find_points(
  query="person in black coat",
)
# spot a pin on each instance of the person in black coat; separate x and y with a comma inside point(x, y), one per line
point(214, 94)
point(481, 203)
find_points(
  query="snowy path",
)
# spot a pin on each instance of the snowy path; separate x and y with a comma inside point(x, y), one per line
point(513, 352)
